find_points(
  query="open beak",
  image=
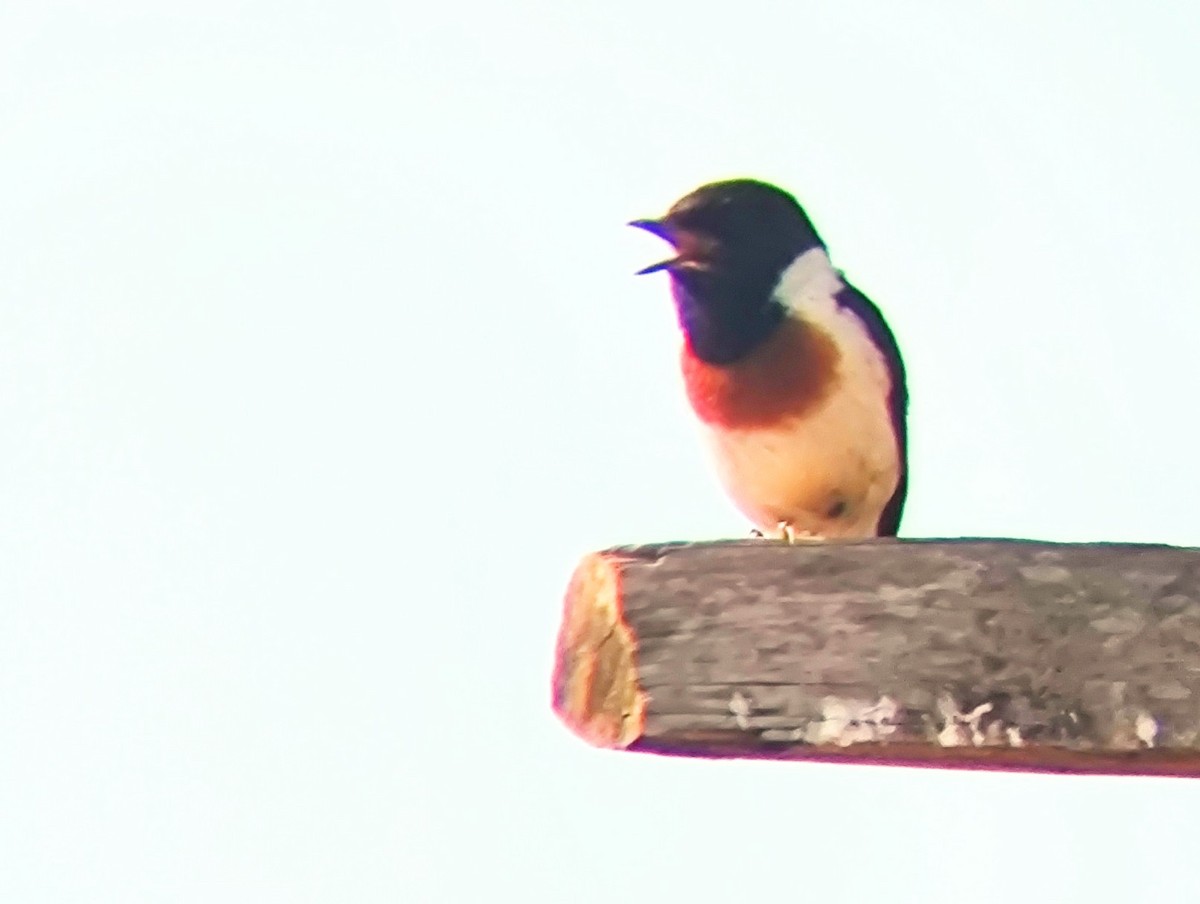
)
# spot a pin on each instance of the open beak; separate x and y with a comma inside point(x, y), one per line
point(663, 231)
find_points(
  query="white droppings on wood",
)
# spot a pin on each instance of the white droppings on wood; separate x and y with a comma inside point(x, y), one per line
point(739, 705)
point(846, 721)
point(1146, 728)
point(961, 728)
point(1014, 736)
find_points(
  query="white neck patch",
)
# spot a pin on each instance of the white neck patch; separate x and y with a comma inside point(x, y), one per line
point(808, 288)
point(809, 279)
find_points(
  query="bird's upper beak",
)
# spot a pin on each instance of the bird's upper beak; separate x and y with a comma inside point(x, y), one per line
point(663, 230)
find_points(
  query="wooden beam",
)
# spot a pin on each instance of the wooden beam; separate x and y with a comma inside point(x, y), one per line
point(986, 653)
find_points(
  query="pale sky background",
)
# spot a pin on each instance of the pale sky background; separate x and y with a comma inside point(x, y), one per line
point(322, 362)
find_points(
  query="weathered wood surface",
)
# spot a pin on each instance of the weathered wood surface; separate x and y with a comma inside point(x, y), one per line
point(985, 653)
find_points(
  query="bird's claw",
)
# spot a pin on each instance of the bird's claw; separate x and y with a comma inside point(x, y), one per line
point(791, 536)
point(788, 534)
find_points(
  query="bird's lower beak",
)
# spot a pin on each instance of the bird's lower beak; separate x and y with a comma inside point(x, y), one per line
point(663, 231)
point(661, 265)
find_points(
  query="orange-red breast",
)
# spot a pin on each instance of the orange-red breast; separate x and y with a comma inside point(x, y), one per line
point(794, 372)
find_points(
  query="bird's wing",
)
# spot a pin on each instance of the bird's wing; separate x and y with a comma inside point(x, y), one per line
point(881, 334)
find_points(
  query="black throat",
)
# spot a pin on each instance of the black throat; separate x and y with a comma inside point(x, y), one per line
point(724, 320)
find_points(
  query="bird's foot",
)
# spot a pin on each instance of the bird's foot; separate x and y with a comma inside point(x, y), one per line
point(791, 536)
point(788, 534)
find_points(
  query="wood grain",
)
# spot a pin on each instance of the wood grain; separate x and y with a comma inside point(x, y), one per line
point(951, 653)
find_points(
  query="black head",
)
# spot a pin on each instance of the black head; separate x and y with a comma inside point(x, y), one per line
point(732, 240)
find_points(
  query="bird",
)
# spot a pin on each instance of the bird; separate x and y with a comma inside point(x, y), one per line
point(794, 374)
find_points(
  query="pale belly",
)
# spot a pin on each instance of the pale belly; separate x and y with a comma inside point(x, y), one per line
point(829, 474)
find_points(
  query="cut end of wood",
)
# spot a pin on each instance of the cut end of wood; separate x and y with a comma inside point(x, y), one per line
point(595, 684)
